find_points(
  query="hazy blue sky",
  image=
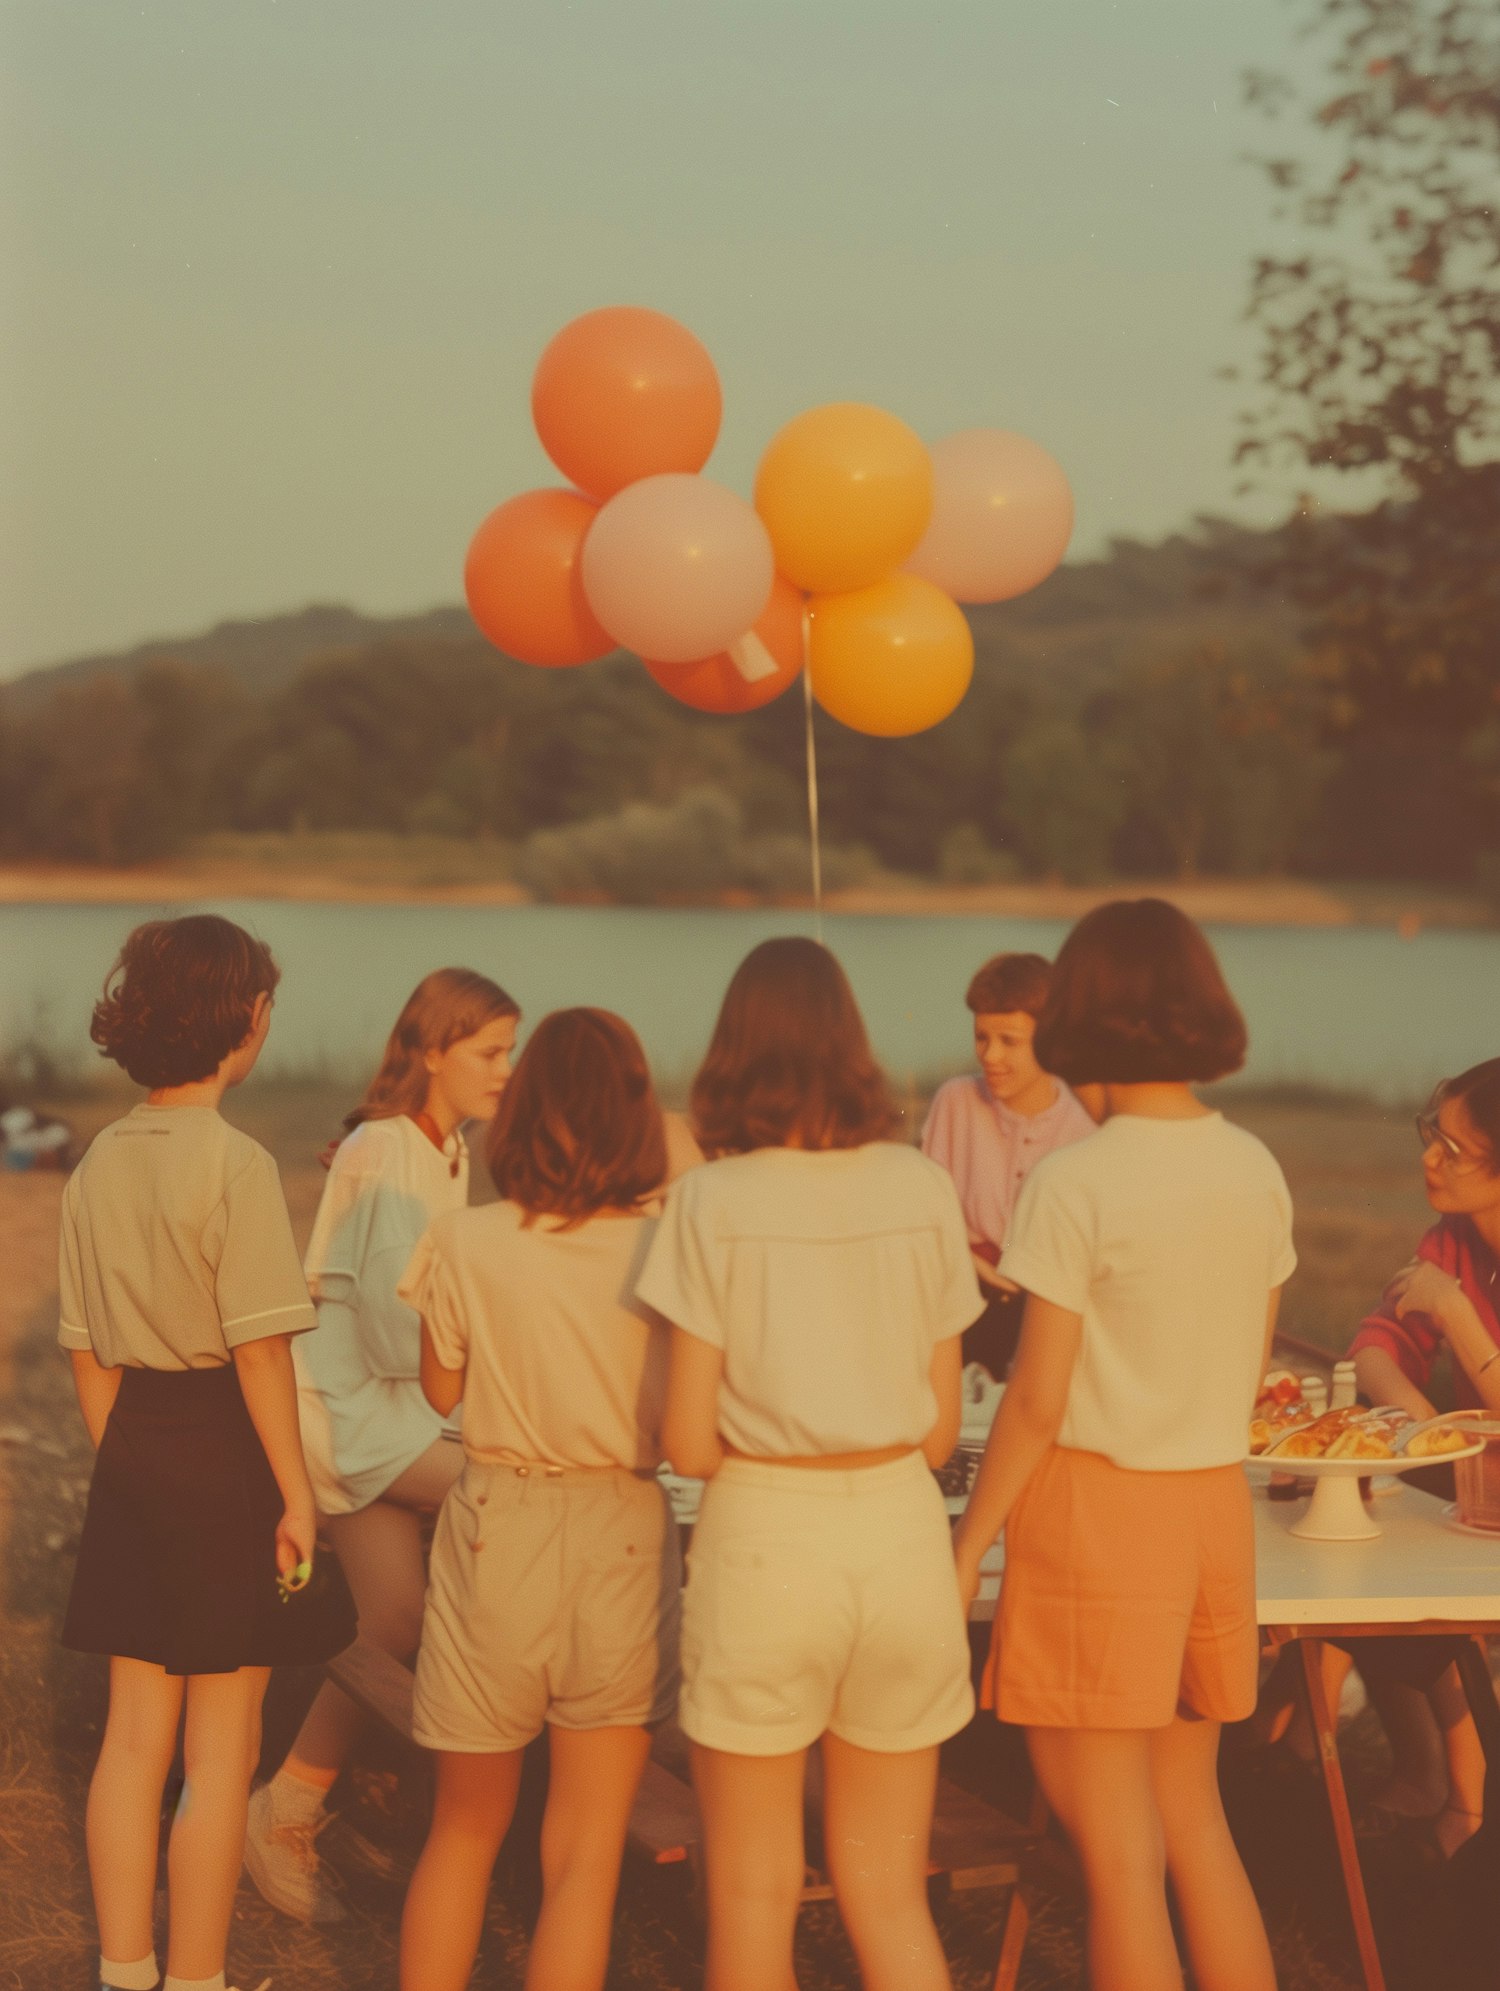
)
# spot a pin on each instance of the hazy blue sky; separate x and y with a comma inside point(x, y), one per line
point(279, 269)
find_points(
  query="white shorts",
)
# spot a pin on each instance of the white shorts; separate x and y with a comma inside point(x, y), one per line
point(551, 1597)
point(821, 1599)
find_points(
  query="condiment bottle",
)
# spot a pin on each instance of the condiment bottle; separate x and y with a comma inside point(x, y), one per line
point(1315, 1394)
point(1345, 1390)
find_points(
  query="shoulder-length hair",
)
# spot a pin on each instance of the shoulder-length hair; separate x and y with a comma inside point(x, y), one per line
point(444, 1008)
point(1137, 997)
point(579, 1129)
point(789, 1062)
point(181, 997)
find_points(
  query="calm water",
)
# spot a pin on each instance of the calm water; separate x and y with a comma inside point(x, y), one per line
point(1352, 1008)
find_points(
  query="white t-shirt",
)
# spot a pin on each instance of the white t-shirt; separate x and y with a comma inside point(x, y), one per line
point(1167, 1238)
point(826, 1277)
point(364, 1417)
point(561, 1365)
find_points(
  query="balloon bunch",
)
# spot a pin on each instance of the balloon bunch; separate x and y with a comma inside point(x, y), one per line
point(851, 561)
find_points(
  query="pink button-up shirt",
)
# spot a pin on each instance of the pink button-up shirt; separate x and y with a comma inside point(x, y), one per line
point(989, 1150)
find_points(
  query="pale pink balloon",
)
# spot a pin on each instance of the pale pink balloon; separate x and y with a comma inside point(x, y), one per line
point(1002, 514)
point(676, 567)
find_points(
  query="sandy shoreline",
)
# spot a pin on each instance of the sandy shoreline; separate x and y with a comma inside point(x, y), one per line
point(1217, 901)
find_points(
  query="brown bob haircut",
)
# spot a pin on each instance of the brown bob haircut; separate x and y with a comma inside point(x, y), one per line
point(579, 1129)
point(444, 1008)
point(789, 1060)
point(1136, 997)
point(1010, 984)
point(181, 997)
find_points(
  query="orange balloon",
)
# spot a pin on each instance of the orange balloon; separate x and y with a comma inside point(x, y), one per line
point(890, 659)
point(522, 580)
point(846, 493)
point(717, 683)
point(624, 393)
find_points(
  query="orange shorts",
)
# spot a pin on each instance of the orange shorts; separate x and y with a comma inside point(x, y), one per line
point(1126, 1596)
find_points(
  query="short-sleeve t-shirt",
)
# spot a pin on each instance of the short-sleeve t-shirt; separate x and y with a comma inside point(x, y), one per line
point(176, 1246)
point(1167, 1238)
point(826, 1277)
point(562, 1366)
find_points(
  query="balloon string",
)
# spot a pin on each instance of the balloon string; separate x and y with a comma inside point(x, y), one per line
point(812, 803)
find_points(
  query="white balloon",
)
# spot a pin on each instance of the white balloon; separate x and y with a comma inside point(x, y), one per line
point(1002, 515)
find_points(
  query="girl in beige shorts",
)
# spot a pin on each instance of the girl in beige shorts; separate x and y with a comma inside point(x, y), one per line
point(818, 1280)
point(553, 1590)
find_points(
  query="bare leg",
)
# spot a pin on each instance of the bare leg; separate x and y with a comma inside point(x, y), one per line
point(380, 1550)
point(444, 1913)
point(753, 1859)
point(1226, 1938)
point(1418, 1778)
point(1098, 1782)
point(595, 1773)
point(877, 1825)
point(221, 1741)
point(123, 1818)
point(1463, 1813)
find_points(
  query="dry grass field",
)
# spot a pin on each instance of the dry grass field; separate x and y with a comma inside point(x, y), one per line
point(1354, 1176)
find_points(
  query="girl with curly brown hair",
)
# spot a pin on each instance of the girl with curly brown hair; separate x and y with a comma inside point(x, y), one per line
point(181, 1292)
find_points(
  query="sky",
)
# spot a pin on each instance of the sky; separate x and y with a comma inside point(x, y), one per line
point(277, 272)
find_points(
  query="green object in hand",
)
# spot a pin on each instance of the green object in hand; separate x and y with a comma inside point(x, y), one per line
point(290, 1585)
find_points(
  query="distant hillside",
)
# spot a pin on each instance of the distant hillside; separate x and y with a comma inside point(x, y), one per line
point(1092, 617)
point(263, 656)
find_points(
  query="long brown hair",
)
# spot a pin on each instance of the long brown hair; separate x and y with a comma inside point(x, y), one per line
point(789, 1057)
point(444, 1008)
point(579, 1129)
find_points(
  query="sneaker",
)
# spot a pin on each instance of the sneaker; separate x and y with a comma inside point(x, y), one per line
point(281, 1859)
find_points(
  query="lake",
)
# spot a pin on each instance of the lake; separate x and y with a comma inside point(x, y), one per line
point(1355, 1009)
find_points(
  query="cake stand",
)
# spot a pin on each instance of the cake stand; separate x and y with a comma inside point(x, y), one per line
point(1336, 1513)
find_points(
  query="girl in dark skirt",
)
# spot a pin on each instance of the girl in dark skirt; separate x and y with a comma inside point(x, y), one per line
point(181, 1289)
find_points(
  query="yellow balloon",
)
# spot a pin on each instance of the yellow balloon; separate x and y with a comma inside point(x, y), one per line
point(890, 659)
point(846, 493)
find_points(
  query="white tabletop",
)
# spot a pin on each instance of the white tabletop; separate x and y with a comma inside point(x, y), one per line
point(1419, 1568)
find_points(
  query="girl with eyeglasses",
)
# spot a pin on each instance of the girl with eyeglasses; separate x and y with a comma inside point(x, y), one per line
point(1450, 1292)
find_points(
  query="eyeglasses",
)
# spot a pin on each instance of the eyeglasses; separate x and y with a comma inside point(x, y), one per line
point(1430, 1134)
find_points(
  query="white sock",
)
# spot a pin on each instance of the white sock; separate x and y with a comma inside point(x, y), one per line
point(214, 1983)
point(294, 1800)
point(140, 1976)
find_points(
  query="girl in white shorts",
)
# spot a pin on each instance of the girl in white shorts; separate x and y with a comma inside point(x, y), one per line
point(379, 1456)
point(817, 1279)
point(554, 1585)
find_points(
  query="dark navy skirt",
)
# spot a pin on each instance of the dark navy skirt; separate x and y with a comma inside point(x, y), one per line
point(177, 1563)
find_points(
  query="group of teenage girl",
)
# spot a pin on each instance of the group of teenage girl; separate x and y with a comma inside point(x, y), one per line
point(776, 1295)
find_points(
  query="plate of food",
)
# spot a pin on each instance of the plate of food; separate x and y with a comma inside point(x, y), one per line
point(1337, 1448)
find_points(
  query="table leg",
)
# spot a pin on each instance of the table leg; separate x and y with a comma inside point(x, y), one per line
point(1017, 1921)
point(1324, 1722)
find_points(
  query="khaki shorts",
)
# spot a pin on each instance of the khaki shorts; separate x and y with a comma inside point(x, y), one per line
point(550, 1598)
point(823, 1600)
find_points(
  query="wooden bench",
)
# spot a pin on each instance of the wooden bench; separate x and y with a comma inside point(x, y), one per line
point(973, 1843)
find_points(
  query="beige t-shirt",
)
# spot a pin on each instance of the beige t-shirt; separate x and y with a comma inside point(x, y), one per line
point(176, 1246)
point(1166, 1237)
point(826, 1277)
point(560, 1365)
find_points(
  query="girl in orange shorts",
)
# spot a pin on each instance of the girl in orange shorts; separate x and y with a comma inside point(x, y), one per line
point(1152, 1254)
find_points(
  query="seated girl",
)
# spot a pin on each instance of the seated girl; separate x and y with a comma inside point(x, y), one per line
point(1445, 1299)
